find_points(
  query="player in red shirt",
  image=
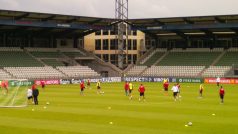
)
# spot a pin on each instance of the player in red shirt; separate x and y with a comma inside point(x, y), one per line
point(222, 94)
point(126, 87)
point(82, 87)
point(33, 87)
point(4, 85)
point(142, 92)
point(42, 84)
point(166, 87)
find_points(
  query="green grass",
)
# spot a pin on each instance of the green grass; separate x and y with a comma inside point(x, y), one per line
point(16, 97)
point(69, 112)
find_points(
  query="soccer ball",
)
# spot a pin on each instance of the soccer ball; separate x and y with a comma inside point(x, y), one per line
point(190, 123)
point(47, 103)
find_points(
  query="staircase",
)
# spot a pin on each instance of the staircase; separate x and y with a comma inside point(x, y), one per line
point(145, 55)
point(161, 58)
point(218, 58)
point(35, 57)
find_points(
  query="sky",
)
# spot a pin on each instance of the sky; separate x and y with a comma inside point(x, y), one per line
point(137, 8)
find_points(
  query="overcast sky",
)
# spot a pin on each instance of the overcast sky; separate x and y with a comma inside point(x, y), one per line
point(137, 8)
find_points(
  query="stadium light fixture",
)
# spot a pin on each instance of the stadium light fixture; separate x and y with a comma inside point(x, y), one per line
point(224, 32)
point(167, 34)
point(196, 33)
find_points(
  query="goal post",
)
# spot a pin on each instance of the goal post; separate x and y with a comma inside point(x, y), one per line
point(14, 92)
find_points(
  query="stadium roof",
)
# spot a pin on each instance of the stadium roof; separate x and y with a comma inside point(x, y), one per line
point(54, 23)
point(182, 26)
point(61, 25)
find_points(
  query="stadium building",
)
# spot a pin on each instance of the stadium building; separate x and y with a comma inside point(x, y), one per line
point(53, 46)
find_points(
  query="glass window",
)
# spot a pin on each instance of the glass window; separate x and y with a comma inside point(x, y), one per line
point(134, 33)
point(106, 57)
point(98, 44)
point(98, 55)
point(134, 58)
point(134, 44)
point(98, 33)
point(105, 32)
point(112, 32)
point(129, 45)
point(105, 44)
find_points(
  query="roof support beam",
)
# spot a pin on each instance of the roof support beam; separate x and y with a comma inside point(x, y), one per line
point(95, 21)
point(48, 18)
point(159, 22)
point(21, 16)
point(71, 20)
point(181, 34)
point(219, 20)
point(188, 21)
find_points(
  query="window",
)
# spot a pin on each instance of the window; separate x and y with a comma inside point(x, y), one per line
point(134, 58)
point(98, 33)
point(98, 44)
point(106, 57)
point(129, 58)
point(114, 44)
point(112, 32)
point(129, 45)
point(105, 32)
point(98, 55)
point(134, 44)
point(105, 44)
point(134, 33)
point(113, 58)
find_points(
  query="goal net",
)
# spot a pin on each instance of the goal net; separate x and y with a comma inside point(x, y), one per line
point(14, 92)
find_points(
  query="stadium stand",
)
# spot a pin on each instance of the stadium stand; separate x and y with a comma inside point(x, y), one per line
point(78, 71)
point(4, 75)
point(34, 72)
point(136, 70)
point(229, 58)
point(177, 71)
point(193, 57)
point(153, 57)
point(17, 58)
point(73, 53)
point(46, 54)
point(52, 62)
point(215, 71)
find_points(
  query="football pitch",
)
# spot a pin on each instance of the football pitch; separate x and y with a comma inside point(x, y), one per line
point(113, 113)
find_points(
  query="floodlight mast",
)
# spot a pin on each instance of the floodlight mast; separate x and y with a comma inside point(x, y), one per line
point(121, 15)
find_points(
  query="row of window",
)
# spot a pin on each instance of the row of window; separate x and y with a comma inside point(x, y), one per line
point(131, 58)
point(104, 44)
point(103, 32)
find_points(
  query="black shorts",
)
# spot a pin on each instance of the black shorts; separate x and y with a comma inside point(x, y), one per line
point(82, 89)
point(98, 87)
point(142, 94)
point(175, 94)
point(130, 90)
point(200, 91)
point(221, 96)
point(165, 89)
point(30, 97)
point(43, 86)
point(88, 84)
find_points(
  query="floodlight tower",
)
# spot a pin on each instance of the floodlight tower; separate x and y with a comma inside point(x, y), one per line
point(121, 14)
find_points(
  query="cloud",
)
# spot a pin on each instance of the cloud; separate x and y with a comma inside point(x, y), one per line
point(137, 8)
